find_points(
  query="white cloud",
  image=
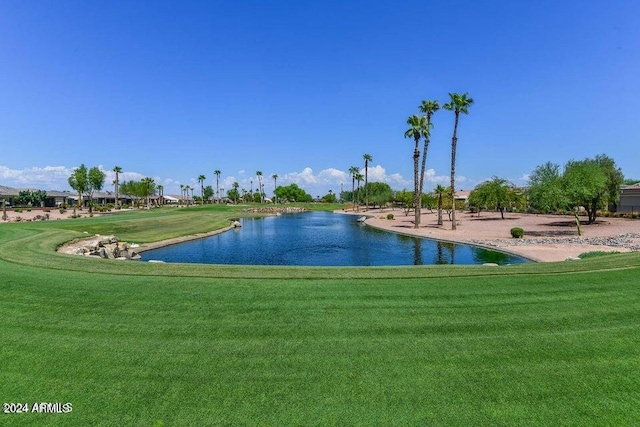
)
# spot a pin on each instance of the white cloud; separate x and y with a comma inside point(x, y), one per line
point(44, 178)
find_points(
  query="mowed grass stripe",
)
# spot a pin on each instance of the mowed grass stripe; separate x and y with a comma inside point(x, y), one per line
point(533, 349)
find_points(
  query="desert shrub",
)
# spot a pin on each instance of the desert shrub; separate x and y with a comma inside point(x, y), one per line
point(63, 210)
point(46, 210)
point(390, 216)
point(517, 233)
point(18, 210)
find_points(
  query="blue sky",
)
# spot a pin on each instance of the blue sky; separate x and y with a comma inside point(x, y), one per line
point(172, 90)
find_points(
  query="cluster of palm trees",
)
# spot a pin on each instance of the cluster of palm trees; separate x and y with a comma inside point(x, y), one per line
point(420, 128)
point(357, 176)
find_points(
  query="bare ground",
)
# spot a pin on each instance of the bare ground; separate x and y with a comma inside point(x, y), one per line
point(547, 237)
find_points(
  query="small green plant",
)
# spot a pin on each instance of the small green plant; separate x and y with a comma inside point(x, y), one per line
point(18, 210)
point(390, 216)
point(595, 254)
point(517, 233)
point(63, 210)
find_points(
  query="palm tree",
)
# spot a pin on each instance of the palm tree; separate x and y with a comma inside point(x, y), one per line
point(201, 179)
point(182, 192)
point(418, 128)
point(260, 185)
point(427, 107)
point(161, 193)
point(353, 170)
point(217, 174)
point(460, 103)
point(235, 186)
point(275, 186)
point(367, 158)
point(440, 192)
point(359, 177)
point(116, 184)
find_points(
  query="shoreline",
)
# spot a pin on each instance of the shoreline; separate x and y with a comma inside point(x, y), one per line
point(540, 244)
point(548, 238)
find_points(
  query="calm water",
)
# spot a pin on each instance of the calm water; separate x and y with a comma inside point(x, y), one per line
point(321, 239)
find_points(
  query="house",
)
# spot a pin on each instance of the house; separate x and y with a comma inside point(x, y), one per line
point(629, 199)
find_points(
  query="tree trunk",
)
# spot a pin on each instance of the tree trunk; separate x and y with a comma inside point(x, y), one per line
point(416, 185)
point(366, 181)
point(454, 143)
point(578, 223)
point(439, 209)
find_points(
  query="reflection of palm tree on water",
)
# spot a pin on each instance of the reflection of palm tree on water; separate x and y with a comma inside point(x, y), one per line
point(440, 256)
point(417, 252)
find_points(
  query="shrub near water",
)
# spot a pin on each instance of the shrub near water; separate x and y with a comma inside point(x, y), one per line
point(517, 233)
point(390, 216)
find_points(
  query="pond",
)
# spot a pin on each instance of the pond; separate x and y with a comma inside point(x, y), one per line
point(321, 239)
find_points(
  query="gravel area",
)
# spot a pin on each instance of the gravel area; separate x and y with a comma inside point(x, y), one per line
point(547, 237)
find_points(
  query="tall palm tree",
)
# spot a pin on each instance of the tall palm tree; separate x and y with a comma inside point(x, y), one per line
point(201, 179)
point(440, 191)
point(191, 188)
point(427, 107)
point(116, 184)
point(359, 177)
point(460, 103)
point(161, 193)
point(367, 158)
point(353, 170)
point(235, 186)
point(275, 186)
point(217, 174)
point(182, 192)
point(417, 128)
point(260, 186)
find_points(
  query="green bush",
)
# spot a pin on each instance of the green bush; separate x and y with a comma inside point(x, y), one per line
point(390, 216)
point(18, 210)
point(63, 210)
point(517, 233)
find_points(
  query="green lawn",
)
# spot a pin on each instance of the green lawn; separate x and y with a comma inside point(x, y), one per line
point(132, 343)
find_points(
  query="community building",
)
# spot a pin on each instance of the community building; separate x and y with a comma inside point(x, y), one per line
point(629, 199)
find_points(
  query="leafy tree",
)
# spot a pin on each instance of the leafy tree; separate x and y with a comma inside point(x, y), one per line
point(367, 158)
point(460, 103)
point(33, 198)
point(380, 193)
point(292, 193)
point(429, 108)
point(96, 182)
point(418, 128)
point(497, 193)
point(585, 182)
point(406, 199)
point(208, 192)
point(630, 181)
point(233, 194)
point(546, 189)
point(87, 182)
point(615, 178)
point(79, 181)
point(329, 197)
point(590, 183)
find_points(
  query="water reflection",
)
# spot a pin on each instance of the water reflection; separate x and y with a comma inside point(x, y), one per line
point(322, 239)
